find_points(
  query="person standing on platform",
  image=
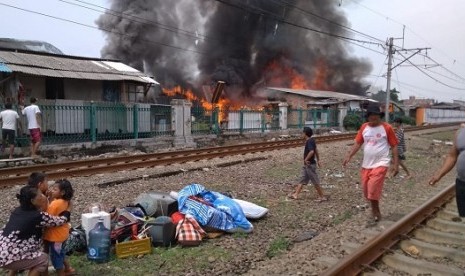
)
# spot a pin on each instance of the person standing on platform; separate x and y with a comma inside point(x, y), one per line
point(10, 123)
point(34, 121)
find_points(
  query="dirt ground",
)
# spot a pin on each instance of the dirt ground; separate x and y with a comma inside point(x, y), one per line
point(274, 247)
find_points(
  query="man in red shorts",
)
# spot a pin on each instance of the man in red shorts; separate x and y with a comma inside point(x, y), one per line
point(378, 137)
point(32, 113)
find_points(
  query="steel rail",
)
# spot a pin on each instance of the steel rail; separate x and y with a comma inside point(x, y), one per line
point(111, 160)
point(83, 168)
point(18, 175)
point(354, 263)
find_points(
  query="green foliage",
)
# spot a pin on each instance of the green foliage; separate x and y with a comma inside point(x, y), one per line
point(342, 217)
point(278, 246)
point(352, 122)
point(381, 96)
point(406, 120)
point(166, 261)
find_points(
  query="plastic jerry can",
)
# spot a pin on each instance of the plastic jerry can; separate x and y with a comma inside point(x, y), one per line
point(98, 249)
point(89, 220)
point(162, 231)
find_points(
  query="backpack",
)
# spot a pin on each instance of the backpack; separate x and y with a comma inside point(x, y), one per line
point(76, 241)
point(189, 232)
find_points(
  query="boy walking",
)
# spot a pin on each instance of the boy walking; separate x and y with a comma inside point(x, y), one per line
point(309, 169)
point(378, 137)
point(10, 123)
point(401, 148)
point(32, 113)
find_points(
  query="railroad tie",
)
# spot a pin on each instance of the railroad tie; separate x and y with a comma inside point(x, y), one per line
point(449, 215)
point(413, 266)
point(447, 225)
point(375, 273)
point(434, 236)
point(428, 250)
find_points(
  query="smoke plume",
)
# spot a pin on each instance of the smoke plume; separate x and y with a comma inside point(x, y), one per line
point(245, 43)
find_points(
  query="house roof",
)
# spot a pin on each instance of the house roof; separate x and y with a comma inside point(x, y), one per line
point(72, 67)
point(319, 94)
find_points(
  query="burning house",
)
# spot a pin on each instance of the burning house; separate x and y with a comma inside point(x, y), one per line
point(188, 45)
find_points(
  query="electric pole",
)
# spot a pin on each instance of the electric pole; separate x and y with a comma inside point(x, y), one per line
point(391, 52)
point(388, 85)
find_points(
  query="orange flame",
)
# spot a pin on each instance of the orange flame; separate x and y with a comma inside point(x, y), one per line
point(222, 104)
point(319, 81)
point(278, 73)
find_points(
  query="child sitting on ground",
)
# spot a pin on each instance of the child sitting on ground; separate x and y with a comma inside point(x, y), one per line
point(61, 195)
point(309, 169)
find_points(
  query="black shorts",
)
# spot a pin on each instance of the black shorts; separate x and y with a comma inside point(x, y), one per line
point(460, 196)
point(9, 136)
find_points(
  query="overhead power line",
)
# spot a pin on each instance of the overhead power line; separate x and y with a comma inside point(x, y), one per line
point(138, 19)
point(258, 11)
point(431, 77)
point(287, 4)
point(102, 29)
point(454, 60)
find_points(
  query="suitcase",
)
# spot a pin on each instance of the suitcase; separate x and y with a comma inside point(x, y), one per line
point(157, 204)
point(162, 231)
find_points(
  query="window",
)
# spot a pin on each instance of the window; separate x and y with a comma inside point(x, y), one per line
point(54, 88)
point(135, 92)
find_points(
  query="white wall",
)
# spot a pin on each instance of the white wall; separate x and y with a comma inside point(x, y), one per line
point(435, 116)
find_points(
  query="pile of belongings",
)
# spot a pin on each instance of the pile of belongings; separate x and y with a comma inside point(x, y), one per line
point(185, 217)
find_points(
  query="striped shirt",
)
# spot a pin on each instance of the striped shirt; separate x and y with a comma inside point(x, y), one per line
point(400, 138)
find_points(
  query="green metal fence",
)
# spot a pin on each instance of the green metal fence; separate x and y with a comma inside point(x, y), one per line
point(219, 121)
point(90, 122)
point(314, 118)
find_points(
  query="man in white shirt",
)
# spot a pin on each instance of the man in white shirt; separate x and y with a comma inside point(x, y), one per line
point(377, 137)
point(10, 120)
point(33, 115)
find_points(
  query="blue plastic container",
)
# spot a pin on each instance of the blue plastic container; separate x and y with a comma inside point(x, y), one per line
point(98, 249)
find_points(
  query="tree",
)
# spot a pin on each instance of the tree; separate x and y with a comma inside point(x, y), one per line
point(381, 96)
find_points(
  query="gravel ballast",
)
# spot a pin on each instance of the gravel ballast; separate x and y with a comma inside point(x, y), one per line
point(278, 245)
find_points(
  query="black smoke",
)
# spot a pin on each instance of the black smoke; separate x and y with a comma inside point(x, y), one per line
point(241, 42)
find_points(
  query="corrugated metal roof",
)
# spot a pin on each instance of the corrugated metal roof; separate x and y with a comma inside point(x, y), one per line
point(320, 94)
point(71, 67)
point(4, 68)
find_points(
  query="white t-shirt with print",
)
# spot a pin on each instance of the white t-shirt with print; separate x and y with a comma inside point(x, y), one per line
point(30, 113)
point(377, 142)
point(9, 119)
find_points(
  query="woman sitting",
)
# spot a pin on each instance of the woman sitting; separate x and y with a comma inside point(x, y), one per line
point(21, 240)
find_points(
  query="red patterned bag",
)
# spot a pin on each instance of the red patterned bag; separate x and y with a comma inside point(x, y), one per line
point(189, 232)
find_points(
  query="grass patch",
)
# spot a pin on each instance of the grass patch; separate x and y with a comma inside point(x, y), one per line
point(342, 217)
point(443, 136)
point(283, 173)
point(240, 235)
point(175, 260)
point(278, 246)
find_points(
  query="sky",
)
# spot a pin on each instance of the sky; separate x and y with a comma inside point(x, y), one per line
point(428, 23)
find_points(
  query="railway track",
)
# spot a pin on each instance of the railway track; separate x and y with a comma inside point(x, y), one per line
point(428, 241)
point(18, 175)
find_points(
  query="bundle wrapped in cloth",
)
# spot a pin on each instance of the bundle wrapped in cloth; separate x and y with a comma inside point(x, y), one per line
point(213, 209)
